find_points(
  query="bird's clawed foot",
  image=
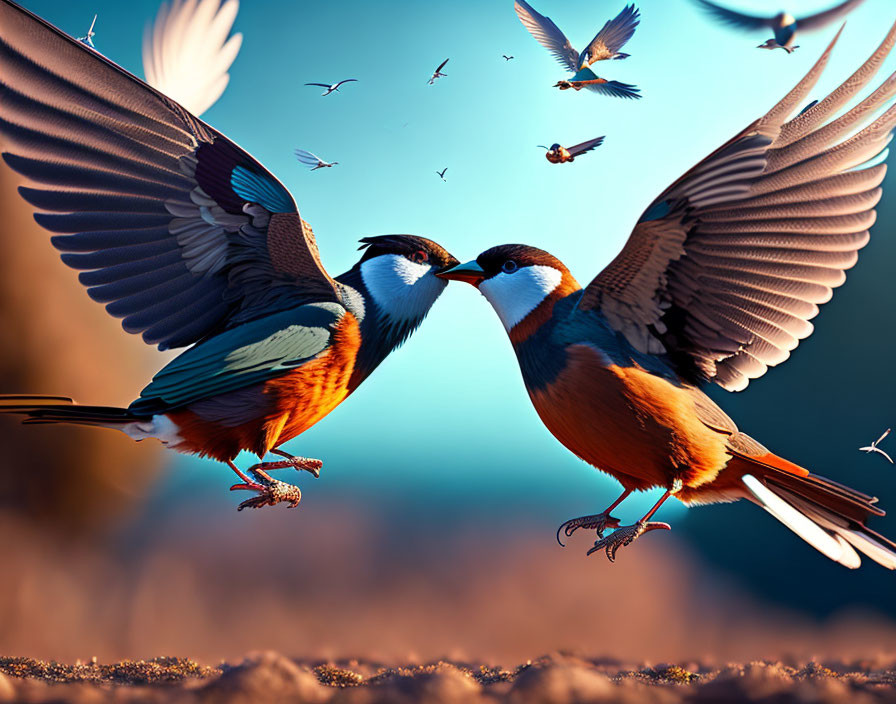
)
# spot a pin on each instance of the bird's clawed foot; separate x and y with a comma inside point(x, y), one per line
point(270, 491)
point(624, 536)
point(598, 522)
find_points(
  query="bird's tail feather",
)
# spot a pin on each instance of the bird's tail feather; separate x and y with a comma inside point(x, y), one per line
point(829, 516)
point(61, 409)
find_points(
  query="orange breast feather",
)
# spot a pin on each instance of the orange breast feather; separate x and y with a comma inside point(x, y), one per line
point(638, 427)
point(292, 403)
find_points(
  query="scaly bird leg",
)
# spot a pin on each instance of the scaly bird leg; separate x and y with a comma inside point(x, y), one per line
point(270, 491)
point(625, 535)
point(299, 463)
point(598, 522)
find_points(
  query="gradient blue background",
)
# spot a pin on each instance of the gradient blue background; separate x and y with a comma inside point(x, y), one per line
point(444, 430)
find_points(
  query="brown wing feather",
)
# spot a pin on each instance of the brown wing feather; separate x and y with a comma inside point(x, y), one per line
point(726, 267)
point(165, 217)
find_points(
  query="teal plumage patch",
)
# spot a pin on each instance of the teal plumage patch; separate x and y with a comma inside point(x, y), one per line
point(656, 211)
point(248, 354)
point(256, 188)
point(585, 74)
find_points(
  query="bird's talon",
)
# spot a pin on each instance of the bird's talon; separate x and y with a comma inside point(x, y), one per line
point(625, 535)
point(598, 522)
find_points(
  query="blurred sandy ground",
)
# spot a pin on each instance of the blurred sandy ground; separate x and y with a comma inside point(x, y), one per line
point(333, 581)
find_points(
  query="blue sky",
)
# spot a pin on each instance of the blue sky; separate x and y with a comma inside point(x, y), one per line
point(447, 416)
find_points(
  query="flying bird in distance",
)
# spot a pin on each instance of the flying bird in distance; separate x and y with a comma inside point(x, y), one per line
point(194, 244)
point(442, 173)
point(605, 45)
point(315, 162)
point(88, 38)
point(438, 72)
point(506, 57)
point(784, 25)
point(717, 282)
point(873, 447)
point(188, 51)
point(332, 87)
point(562, 155)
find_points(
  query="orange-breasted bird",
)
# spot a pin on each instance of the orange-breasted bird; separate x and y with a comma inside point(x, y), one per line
point(558, 154)
point(716, 283)
point(194, 243)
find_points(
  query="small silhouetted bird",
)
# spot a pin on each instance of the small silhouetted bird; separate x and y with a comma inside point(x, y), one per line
point(312, 160)
point(188, 51)
point(193, 243)
point(506, 57)
point(605, 45)
point(717, 282)
point(88, 38)
point(332, 87)
point(442, 173)
point(557, 154)
point(783, 24)
point(873, 447)
point(438, 72)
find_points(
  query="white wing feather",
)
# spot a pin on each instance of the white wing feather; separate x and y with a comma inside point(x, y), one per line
point(187, 52)
point(307, 157)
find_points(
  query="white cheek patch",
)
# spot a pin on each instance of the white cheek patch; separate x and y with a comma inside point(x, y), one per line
point(514, 296)
point(400, 287)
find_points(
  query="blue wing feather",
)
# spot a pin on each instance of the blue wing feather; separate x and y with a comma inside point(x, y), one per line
point(256, 188)
point(249, 354)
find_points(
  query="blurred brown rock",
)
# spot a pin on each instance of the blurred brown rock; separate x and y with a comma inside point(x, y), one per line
point(265, 677)
point(54, 339)
point(7, 693)
point(442, 684)
point(562, 683)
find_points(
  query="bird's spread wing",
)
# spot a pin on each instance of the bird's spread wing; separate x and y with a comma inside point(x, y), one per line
point(585, 146)
point(355, 80)
point(734, 19)
point(176, 229)
point(821, 19)
point(616, 89)
point(187, 51)
point(249, 354)
point(322, 85)
point(724, 270)
point(548, 35)
point(308, 158)
point(442, 65)
point(614, 34)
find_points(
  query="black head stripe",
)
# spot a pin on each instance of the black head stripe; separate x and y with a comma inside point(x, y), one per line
point(405, 245)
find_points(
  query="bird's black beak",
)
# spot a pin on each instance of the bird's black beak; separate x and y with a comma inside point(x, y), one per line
point(470, 272)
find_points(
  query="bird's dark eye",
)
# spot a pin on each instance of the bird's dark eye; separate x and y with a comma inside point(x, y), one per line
point(509, 266)
point(420, 257)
